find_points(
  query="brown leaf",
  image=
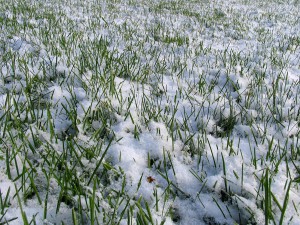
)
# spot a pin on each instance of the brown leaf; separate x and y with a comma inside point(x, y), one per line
point(150, 179)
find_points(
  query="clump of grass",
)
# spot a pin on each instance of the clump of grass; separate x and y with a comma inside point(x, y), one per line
point(227, 125)
point(177, 40)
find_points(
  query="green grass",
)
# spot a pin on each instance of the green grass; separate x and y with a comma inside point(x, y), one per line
point(183, 69)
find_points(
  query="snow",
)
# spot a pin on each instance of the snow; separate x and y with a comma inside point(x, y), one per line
point(160, 148)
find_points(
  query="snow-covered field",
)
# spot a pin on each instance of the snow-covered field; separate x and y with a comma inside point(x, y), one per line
point(150, 112)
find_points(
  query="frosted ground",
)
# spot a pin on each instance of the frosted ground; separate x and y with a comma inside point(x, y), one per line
point(149, 112)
